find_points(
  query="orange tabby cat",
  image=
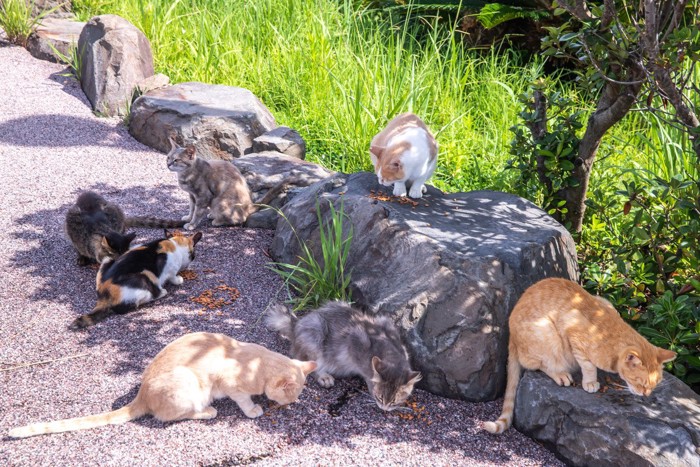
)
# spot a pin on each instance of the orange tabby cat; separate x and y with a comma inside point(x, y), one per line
point(188, 374)
point(557, 327)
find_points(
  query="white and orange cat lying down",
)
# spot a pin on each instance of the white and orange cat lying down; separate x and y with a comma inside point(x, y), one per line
point(188, 374)
point(404, 153)
point(558, 327)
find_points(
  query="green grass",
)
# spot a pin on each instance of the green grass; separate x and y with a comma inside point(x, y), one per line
point(17, 21)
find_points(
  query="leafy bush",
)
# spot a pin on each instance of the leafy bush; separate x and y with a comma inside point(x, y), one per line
point(315, 281)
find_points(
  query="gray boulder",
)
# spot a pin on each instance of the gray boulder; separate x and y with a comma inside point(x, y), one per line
point(55, 35)
point(221, 121)
point(281, 139)
point(266, 170)
point(115, 57)
point(613, 426)
point(447, 269)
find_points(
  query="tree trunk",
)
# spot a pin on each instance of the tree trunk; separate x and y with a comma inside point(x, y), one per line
point(613, 104)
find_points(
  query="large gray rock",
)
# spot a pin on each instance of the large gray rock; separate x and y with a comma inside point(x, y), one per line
point(281, 139)
point(448, 271)
point(613, 427)
point(55, 35)
point(266, 170)
point(52, 8)
point(115, 57)
point(221, 121)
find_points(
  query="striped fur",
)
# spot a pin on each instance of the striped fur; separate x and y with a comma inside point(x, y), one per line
point(138, 276)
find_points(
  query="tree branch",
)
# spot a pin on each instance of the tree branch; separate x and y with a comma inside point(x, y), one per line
point(580, 11)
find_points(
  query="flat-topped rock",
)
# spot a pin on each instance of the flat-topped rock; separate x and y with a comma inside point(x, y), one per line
point(52, 35)
point(115, 57)
point(266, 170)
point(281, 139)
point(221, 121)
point(447, 269)
point(612, 427)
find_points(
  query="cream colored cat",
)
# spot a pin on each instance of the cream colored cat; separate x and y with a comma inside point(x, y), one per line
point(557, 327)
point(189, 373)
point(404, 152)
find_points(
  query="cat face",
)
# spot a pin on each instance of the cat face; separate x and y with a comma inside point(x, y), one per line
point(389, 389)
point(387, 163)
point(285, 389)
point(186, 241)
point(180, 158)
point(643, 370)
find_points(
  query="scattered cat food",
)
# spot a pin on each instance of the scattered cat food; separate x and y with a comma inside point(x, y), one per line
point(379, 196)
point(217, 297)
point(188, 274)
point(418, 412)
point(208, 270)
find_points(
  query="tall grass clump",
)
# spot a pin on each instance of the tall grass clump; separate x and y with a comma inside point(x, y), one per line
point(338, 74)
point(314, 281)
point(17, 21)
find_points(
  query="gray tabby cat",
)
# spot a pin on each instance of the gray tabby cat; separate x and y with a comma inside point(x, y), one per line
point(214, 185)
point(344, 341)
point(96, 228)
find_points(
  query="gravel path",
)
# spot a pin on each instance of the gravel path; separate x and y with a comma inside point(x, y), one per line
point(51, 148)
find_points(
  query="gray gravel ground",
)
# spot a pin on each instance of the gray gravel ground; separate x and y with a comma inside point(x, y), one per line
point(51, 148)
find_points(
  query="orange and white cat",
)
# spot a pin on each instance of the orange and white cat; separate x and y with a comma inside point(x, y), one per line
point(404, 153)
point(557, 327)
point(188, 374)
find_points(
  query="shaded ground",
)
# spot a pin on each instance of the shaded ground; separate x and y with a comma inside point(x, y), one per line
point(51, 148)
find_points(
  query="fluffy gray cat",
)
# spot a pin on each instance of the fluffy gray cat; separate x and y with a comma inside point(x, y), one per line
point(344, 341)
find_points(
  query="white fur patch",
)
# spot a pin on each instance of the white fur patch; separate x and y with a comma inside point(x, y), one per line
point(177, 261)
point(416, 161)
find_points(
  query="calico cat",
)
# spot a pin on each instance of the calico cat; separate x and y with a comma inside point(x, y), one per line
point(96, 228)
point(188, 374)
point(405, 152)
point(138, 276)
point(214, 185)
point(557, 327)
point(345, 341)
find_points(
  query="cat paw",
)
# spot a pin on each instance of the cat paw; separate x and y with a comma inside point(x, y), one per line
point(563, 379)
point(177, 280)
point(590, 386)
point(189, 226)
point(399, 190)
point(325, 380)
point(416, 192)
point(163, 293)
point(186, 218)
point(254, 412)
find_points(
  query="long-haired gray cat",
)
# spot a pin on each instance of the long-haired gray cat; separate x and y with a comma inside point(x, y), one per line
point(344, 341)
point(96, 228)
point(215, 185)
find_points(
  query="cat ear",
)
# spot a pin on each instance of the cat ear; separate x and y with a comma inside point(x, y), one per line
point(376, 364)
point(414, 377)
point(307, 367)
point(189, 150)
point(167, 234)
point(376, 150)
point(664, 355)
point(196, 238)
point(286, 384)
point(173, 142)
point(632, 360)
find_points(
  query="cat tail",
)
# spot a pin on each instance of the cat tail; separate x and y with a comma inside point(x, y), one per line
point(513, 378)
point(274, 192)
point(278, 318)
point(153, 223)
point(127, 413)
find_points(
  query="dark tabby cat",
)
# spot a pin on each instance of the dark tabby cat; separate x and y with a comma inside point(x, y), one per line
point(345, 341)
point(214, 185)
point(138, 276)
point(96, 228)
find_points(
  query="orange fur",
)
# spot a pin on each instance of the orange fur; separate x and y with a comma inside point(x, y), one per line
point(558, 327)
point(184, 378)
